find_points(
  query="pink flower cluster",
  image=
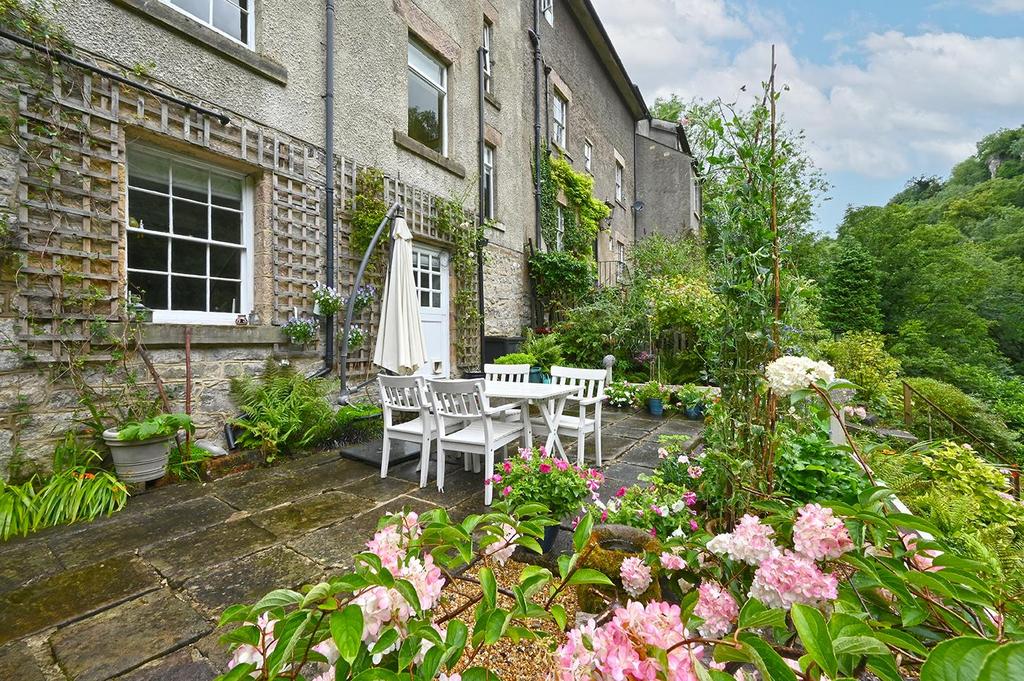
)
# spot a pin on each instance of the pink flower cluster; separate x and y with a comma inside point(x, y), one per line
point(788, 577)
point(717, 608)
point(257, 655)
point(751, 542)
point(619, 649)
point(635, 575)
point(820, 535)
point(503, 548)
point(671, 561)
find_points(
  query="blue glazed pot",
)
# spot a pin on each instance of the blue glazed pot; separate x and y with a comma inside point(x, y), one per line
point(536, 375)
point(550, 535)
point(655, 406)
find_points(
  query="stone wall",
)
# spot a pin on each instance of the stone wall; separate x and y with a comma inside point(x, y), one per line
point(506, 292)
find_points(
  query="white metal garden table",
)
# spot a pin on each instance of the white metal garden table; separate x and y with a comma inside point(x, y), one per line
point(549, 398)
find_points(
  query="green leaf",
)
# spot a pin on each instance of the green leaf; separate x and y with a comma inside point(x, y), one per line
point(495, 626)
point(386, 640)
point(957, 659)
point(902, 640)
point(408, 591)
point(859, 645)
point(347, 631)
point(489, 586)
point(768, 662)
point(754, 615)
point(317, 593)
point(590, 576)
point(376, 674)
point(814, 635)
point(1004, 664)
point(278, 598)
point(238, 673)
point(582, 532)
point(479, 674)
point(455, 642)
point(558, 612)
point(236, 613)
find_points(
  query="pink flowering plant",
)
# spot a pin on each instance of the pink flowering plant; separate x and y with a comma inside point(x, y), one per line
point(535, 476)
point(664, 510)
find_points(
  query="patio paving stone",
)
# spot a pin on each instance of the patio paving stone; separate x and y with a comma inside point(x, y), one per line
point(25, 561)
point(308, 514)
point(377, 489)
point(183, 665)
point(71, 595)
point(134, 530)
point(335, 545)
point(127, 636)
point(248, 578)
point(179, 559)
point(680, 426)
point(643, 454)
point(16, 662)
point(620, 474)
point(623, 429)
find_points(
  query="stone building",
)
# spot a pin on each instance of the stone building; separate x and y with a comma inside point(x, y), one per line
point(669, 202)
point(180, 154)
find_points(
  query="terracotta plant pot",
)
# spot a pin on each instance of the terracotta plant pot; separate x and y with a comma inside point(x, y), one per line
point(137, 461)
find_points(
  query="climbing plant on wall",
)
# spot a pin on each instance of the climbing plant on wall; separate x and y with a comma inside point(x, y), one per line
point(582, 213)
point(366, 209)
point(461, 230)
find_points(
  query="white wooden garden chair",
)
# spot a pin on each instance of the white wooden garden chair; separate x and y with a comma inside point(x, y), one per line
point(407, 394)
point(508, 373)
point(590, 393)
point(482, 431)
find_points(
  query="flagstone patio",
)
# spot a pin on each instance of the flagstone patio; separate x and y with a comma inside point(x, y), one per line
point(136, 596)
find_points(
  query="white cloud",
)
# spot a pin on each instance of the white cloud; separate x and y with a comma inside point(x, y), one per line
point(1001, 6)
point(886, 106)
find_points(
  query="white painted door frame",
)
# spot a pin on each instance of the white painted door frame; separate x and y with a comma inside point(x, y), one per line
point(430, 270)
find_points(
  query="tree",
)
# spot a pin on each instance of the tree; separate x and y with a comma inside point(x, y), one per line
point(852, 296)
point(668, 109)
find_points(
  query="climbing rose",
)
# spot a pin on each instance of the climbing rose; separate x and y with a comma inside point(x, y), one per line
point(619, 649)
point(787, 578)
point(819, 535)
point(636, 576)
point(671, 561)
point(786, 375)
point(750, 542)
point(717, 608)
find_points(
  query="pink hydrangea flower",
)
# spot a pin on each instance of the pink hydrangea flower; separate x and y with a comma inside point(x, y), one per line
point(671, 561)
point(693, 525)
point(820, 535)
point(788, 577)
point(635, 575)
point(751, 542)
point(257, 655)
point(717, 608)
point(502, 549)
point(619, 649)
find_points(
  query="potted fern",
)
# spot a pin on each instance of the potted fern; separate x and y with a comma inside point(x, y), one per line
point(141, 449)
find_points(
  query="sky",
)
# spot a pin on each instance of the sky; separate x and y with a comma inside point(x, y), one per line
point(884, 90)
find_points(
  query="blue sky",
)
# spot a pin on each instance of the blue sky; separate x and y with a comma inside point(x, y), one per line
point(884, 90)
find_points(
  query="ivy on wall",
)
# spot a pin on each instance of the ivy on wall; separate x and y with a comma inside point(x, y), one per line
point(583, 212)
point(366, 209)
point(461, 230)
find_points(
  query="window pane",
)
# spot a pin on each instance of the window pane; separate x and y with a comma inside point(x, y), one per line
point(190, 219)
point(148, 211)
point(436, 283)
point(188, 293)
point(188, 257)
point(424, 280)
point(147, 252)
point(437, 300)
point(150, 288)
point(225, 296)
point(197, 8)
point(225, 262)
point(425, 118)
point(191, 183)
point(148, 171)
point(227, 226)
point(429, 67)
point(230, 19)
point(424, 299)
point(226, 191)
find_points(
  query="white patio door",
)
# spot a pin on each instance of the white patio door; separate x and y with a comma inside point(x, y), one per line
point(430, 269)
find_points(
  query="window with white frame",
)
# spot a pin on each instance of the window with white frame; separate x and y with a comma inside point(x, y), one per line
point(560, 116)
point(488, 40)
point(588, 156)
point(559, 227)
point(426, 271)
point(233, 18)
point(189, 238)
point(618, 181)
point(488, 207)
point(547, 8)
point(428, 99)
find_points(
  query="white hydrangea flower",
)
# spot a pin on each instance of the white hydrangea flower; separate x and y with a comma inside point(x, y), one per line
point(786, 375)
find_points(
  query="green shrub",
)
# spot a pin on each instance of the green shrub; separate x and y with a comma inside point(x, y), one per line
point(809, 468)
point(968, 411)
point(603, 326)
point(852, 296)
point(860, 357)
point(545, 349)
point(562, 279)
point(516, 358)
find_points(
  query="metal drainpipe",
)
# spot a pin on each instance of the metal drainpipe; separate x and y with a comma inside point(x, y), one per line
point(481, 57)
point(535, 37)
point(329, 181)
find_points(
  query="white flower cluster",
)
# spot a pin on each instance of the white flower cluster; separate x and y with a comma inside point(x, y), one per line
point(786, 375)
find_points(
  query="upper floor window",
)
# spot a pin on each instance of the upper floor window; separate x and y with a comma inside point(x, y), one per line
point(588, 156)
point(560, 114)
point(233, 18)
point(189, 239)
point(618, 181)
point(428, 99)
point(488, 40)
point(547, 8)
point(488, 207)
